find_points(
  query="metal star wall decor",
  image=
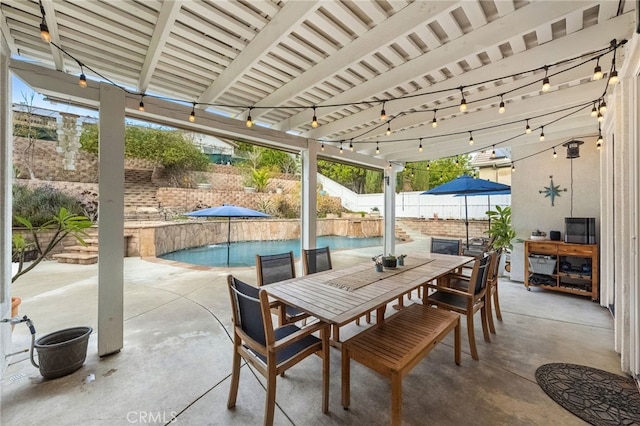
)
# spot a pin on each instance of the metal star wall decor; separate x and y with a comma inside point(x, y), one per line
point(552, 191)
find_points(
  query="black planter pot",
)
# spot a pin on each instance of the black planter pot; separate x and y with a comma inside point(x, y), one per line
point(62, 352)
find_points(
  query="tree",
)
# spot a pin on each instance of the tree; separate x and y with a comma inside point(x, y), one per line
point(166, 148)
point(423, 175)
point(352, 177)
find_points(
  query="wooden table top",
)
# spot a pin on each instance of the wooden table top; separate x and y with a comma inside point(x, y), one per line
point(339, 306)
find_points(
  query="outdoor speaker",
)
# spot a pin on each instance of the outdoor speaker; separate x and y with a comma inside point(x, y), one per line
point(554, 235)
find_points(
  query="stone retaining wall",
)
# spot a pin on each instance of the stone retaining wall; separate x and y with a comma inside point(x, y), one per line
point(451, 228)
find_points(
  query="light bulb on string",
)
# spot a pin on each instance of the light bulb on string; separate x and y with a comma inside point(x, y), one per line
point(600, 117)
point(542, 134)
point(613, 77)
point(493, 152)
point(597, 71)
point(383, 113)
point(249, 120)
point(388, 129)
point(322, 147)
point(82, 81)
point(603, 107)
point(351, 145)
point(420, 146)
point(599, 141)
point(527, 129)
point(428, 166)
point(340, 147)
point(594, 110)
point(546, 85)
point(314, 120)
point(513, 167)
point(501, 108)
point(44, 28)
point(192, 116)
point(141, 104)
point(434, 122)
point(463, 102)
point(377, 148)
point(471, 138)
point(555, 154)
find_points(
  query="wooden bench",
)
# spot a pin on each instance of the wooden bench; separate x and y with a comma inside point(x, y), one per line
point(395, 346)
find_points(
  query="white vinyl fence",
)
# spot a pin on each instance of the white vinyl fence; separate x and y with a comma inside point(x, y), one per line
point(413, 204)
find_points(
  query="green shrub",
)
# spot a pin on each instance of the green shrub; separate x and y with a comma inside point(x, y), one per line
point(40, 204)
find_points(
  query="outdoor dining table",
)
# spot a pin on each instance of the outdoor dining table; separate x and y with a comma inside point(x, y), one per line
point(340, 296)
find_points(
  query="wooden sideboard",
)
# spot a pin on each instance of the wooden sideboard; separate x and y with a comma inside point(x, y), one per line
point(565, 267)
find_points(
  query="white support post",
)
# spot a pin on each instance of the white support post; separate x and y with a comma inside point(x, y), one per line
point(111, 217)
point(390, 174)
point(6, 145)
point(309, 208)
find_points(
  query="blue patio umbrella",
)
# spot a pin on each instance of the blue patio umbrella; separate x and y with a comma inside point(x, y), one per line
point(465, 186)
point(228, 211)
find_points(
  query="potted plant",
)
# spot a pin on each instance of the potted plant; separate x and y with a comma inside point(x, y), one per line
point(538, 235)
point(501, 232)
point(64, 351)
point(389, 261)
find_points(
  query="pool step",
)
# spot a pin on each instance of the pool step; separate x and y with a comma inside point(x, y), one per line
point(402, 235)
point(84, 255)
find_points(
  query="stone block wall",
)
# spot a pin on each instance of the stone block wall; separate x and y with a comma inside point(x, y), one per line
point(450, 228)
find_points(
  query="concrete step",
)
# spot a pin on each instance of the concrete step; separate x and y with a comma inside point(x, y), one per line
point(82, 249)
point(76, 258)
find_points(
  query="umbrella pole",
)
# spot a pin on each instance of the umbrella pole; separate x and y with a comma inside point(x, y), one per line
point(228, 239)
point(466, 219)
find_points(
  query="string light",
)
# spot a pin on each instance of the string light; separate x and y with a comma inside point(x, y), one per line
point(340, 147)
point(501, 109)
point(555, 154)
point(351, 145)
point(434, 122)
point(249, 121)
point(613, 77)
point(542, 134)
point(463, 102)
point(192, 116)
point(597, 71)
point(388, 128)
point(600, 139)
point(44, 28)
point(428, 165)
point(527, 129)
point(600, 117)
point(377, 148)
point(471, 138)
point(545, 81)
point(420, 146)
point(603, 107)
point(493, 152)
point(383, 114)
point(82, 82)
point(513, 167)
point(322, 147)
point(594, 110)
point(141, 104)
point(314, 120)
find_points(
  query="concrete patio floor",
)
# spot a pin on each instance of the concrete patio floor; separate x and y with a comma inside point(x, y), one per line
point(176, 362)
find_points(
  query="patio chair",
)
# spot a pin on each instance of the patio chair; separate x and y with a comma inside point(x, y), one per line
point(492, 290)
point(274, 268)
point(442, 246)
point(316, 260)
point(271, 351)
point(466, 297)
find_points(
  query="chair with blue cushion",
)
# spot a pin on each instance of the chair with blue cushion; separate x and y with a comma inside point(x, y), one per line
point(273, 268)
point(271, 350)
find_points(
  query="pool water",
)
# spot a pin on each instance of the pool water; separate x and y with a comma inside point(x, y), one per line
point(244, 253)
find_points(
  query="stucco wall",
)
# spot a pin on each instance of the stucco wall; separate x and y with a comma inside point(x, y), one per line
point(532, 210)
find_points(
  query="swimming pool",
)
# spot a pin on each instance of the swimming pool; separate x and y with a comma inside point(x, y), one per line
point(244, 253)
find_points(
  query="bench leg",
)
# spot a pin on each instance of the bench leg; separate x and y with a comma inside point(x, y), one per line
point(396, 399)
point(346, 378)
point(380, 314)
point(457, 342)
